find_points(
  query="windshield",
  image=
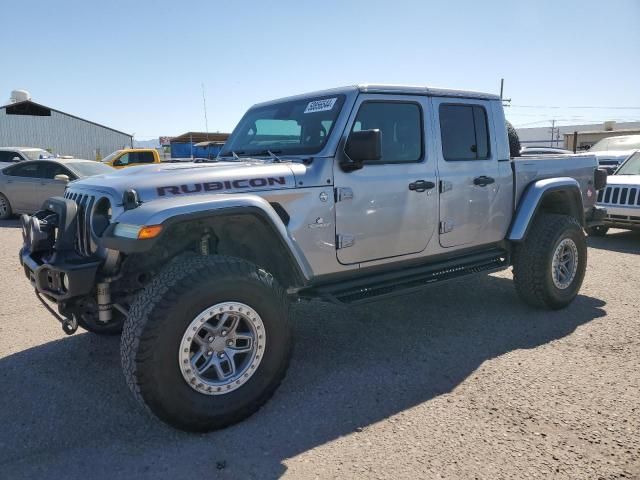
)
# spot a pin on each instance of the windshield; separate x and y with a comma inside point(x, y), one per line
point(631, 166)
point(629, 142)
point(86, 169)
point(36, 153)
point(293, 128)
point(110, 157)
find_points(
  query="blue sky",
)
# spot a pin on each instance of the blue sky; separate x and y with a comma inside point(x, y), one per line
point(139, 66)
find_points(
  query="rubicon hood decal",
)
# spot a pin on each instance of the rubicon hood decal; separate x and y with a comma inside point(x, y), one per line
point(170, 180)
point(243, 183)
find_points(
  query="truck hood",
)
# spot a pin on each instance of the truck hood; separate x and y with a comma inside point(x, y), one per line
point(623, 180)
point(180, 179)
point(617, 155)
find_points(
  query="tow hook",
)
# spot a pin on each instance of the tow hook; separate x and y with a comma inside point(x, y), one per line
point(70, 325)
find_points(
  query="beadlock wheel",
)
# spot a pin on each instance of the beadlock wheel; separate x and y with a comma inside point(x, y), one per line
point(222, 348)
point(564, 263)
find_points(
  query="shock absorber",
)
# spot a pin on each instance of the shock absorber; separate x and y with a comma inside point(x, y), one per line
point(104, 302)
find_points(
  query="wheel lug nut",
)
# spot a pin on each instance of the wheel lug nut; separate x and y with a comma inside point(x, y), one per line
point(229, 342)
point(210, 352)
point(224, 333)
point(210, 339)
point(221, 355)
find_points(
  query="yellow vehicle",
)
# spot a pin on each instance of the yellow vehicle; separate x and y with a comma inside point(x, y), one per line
point(130, 157)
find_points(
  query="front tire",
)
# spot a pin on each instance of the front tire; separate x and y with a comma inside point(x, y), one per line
point(5, 208)
point(549, 266)
point(207, 342)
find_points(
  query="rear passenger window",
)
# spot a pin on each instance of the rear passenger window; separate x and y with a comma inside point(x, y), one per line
point(464, 131)
point(400, 125)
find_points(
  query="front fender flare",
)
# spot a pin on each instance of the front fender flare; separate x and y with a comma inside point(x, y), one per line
point(174, 210)
point(532, 198)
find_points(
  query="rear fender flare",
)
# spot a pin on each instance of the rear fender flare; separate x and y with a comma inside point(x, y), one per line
point(533, 197)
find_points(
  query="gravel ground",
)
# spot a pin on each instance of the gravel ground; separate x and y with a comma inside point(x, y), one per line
point(460, 381)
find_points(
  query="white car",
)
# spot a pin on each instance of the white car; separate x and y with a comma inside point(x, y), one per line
point(544, 151)
point(621, 198)
point(612, 151)
point(9, 155)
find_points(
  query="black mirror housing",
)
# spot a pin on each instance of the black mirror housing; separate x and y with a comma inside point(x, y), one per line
point(362, 146)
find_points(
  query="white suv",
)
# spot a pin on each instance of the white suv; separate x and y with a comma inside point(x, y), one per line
point(621, 198)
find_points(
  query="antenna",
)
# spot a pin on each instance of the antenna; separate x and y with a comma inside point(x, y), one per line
point(204, 104)
point(506, 102)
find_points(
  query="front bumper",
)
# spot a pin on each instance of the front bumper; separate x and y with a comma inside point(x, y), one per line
point(59, 280)
point(48, 254)
point(596, 216)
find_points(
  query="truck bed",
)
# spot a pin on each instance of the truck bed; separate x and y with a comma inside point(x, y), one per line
point(531, 168)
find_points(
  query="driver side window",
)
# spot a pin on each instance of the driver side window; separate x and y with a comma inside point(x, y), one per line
point(400, 125)
point(122, 161)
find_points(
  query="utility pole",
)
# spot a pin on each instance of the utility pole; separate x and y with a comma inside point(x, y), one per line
point(204, 104)
point(553, 131)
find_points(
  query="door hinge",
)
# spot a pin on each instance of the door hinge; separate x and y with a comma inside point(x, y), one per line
point(445, 186)
point(343, 193)
point(446, 226)
point(345, 240)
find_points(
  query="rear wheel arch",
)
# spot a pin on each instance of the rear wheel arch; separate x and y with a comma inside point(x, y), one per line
point(552, 196)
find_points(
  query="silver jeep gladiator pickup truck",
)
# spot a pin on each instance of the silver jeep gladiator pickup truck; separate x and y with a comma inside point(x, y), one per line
point(345, 195)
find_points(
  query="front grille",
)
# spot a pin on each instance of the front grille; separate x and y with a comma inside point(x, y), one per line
point(618, 195)
point(83, 224)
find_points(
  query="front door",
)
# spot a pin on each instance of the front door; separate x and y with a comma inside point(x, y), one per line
point(468, 170)
point(387, 208)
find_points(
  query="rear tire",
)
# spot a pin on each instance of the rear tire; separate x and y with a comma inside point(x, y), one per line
point(597, 231)
point(549, 266)
point(179, 310)
point(5, 208)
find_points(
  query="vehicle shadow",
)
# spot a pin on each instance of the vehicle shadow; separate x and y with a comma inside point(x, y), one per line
point(66, 412)
point(622, 241)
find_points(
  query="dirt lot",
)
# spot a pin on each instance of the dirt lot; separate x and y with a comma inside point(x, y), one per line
point(460, 381)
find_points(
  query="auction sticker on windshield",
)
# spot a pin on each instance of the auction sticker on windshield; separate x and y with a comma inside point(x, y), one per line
point(320, 105)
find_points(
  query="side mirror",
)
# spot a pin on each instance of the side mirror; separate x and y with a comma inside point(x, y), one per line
point(16, 159)
point(361, 146)
point(62, 178)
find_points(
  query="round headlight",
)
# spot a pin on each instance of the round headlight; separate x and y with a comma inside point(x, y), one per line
point(101, 217)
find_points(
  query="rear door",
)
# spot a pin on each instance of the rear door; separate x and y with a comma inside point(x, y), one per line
point(468, 170)
point(48, 185)
point(378, 214)
point(20, 184)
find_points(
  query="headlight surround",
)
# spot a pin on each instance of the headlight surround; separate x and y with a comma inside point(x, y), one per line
point(101, 216)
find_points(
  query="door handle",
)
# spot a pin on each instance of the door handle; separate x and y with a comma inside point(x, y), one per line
point(483, 181)
point(421, 186)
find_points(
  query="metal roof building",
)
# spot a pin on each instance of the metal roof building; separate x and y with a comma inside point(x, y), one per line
point(28, 124)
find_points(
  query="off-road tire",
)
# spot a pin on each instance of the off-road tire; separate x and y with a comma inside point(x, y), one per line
point(597, 231)
point(5, 212)
point(532, 262)
point(514, 140)
point(161, 313)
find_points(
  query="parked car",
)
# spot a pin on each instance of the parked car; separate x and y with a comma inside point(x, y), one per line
point(130, 157)
point(612, 151)
point(25, 186)
point(621, 198)
point(544, 151)
point(346, 195)
point(9, 155)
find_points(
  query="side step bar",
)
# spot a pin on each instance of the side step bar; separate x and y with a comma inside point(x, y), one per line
point(399, 282)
